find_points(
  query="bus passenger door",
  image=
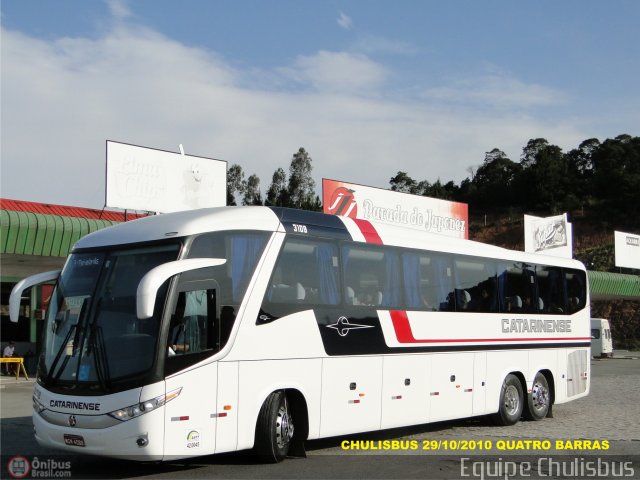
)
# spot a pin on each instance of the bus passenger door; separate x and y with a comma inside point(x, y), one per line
point(451, 387)
point(351, 389)
point(191, 417)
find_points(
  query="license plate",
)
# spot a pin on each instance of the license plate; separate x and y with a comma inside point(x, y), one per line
point(74, 440)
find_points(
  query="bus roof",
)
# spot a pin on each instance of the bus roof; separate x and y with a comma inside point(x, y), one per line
point(192, 222)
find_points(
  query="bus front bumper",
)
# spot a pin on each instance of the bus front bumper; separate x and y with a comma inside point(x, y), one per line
point(140, 439)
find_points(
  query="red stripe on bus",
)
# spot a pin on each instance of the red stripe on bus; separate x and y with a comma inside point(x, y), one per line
point(404, 334)
point(369, 231)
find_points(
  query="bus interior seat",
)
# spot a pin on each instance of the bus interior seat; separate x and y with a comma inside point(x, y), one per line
point(351, 296)
point(282, 293)
point(515, 302)
point(378, 298)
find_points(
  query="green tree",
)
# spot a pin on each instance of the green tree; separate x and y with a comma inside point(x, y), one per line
point(494, 180)
point(616, 177)
point(544, 176)
point(301, 184)
point(447, 191)
point(580, 173)
point(403, 183)
point(277, 195)
point(235, 183)
point(252, 195)
point(531, 150)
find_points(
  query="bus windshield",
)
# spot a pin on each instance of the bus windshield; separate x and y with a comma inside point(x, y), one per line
point(92, 333)
point(94, 339)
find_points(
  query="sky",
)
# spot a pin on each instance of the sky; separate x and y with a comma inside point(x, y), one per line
point(367, 87)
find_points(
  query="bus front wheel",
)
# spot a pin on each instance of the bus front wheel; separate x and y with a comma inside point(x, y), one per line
point(511, 401)
point(274, 430)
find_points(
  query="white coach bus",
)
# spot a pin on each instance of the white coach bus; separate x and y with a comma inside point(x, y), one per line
point(225, 329)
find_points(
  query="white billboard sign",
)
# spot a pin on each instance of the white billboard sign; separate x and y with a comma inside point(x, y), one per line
point(413, 211)
point(549, 235)
point(627, 250)
point(140, 178)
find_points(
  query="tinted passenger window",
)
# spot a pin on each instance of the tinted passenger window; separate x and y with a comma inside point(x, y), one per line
point(550, 289)
point(517, 288)
point(428, 281)
point(576, 290)
point(475, 285)
point(371, 276)
point(306, 273)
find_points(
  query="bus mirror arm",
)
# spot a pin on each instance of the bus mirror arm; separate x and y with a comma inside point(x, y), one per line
point(22, 285)
point(154, 278)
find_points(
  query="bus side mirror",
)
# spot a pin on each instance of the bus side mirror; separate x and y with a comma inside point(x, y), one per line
point(22, 285)
point(150, 283)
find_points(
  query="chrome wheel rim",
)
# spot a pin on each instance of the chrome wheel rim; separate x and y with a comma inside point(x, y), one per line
point(539, 396)
point(284, 426)
point(511, 400)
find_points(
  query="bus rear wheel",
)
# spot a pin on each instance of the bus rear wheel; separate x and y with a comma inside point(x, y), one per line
point(275, 428)
point(511, 402)
point(539, 400)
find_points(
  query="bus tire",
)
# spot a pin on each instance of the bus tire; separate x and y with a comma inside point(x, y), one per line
point(539, 400)
point(511, 402)
point(274, 429)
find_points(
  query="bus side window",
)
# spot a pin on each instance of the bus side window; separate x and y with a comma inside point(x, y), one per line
point(194, 327)
point(475, 285)
point(517, 288)
point(428, 281)
point(576, 290)
point(371, 275)
point(550, 289)
point(306, 272)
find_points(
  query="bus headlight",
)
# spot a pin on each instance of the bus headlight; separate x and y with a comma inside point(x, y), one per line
point(37, 406)
point(141, 408)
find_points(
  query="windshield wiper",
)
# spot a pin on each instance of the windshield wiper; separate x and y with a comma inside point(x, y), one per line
point(52, 370)
point(77, 328)
point(96, 342)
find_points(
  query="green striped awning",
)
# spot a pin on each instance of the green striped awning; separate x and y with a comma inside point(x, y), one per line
point(613, 286)
point(27, 233)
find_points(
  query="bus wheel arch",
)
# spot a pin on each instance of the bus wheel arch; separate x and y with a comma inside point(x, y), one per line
point(541, 397)
point(512, 400)
point(282, 426)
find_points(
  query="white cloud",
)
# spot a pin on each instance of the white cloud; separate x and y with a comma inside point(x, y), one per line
point(496, 90)
point(337, 72)
point(62, 99)
point(370, 44)
point(344, 21)
point(119, 9)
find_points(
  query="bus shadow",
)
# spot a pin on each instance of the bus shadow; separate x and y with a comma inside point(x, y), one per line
point(19, 430)
point(400, 432)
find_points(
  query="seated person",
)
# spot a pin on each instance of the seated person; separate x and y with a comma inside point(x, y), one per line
point(184, 335)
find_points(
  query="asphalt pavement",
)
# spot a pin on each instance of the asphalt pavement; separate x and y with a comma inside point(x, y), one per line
point(608, 418)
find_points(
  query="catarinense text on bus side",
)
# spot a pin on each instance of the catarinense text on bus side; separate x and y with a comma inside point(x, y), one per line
point(523, 325)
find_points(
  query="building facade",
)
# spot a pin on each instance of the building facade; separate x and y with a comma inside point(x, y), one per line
point(34, 238)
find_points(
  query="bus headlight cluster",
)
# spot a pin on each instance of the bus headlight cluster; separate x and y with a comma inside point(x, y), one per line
point(141, 408)
point(37, 406)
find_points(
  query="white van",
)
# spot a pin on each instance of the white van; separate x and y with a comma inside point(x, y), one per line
point(601, 343)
